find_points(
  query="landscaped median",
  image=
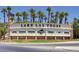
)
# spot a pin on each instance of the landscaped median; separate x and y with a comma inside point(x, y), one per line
point(42, 41)
point(36, 41)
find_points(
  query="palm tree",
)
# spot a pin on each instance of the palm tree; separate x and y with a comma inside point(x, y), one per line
point(39, 16)
point(61, 16)
point(65, 14)
point(49, 12)
point(52, 16)
point(42, 16)
point(4, 11)
point(12, 19)
point(25, 16)
point(11, 16)
point(18, 14)
point(8, 8)
point(4, 15)
point(33, 15)
point(75, 20)
point(75, 27)
point(45, 18)
point(8, 11)
point(56, 17)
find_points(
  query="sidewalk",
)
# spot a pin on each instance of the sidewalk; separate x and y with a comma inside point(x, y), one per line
point(69, 47)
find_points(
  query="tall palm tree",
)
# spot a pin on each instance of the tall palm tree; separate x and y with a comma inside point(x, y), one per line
point(75, 20)
point(11, 17)
point(33, 15)
point(8, 8)
point(4, 11)
point(39, 16)
point(49, 12)
point(61, 16)
point(18, 14)
point(52, 16)
point(4, 15)
point(45, 18)
point(25, 16)
point(8, 11)
point(56, 16)
point(75, 27)
point(65, 14)
point(42, 16)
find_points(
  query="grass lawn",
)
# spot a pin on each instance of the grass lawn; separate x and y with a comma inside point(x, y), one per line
point(42, 41)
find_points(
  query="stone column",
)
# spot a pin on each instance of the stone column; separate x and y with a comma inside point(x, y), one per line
point(55, 38)
point(35, 37)
point(17, 37)
point(45, 37)
point(26, 38)
point(63, 38)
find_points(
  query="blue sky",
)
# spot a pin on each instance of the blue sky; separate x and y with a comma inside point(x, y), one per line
point(72, 10)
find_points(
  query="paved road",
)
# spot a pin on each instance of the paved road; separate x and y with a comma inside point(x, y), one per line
point(37, 47)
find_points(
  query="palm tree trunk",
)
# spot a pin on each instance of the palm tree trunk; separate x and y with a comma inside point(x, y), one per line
point(65, 19)
point(8, 26)
point(45, 20)
point(4, 25)
point(23, 19)
point(33, 19)
point(56, 19)
point(19, 19)
point(60, 21)
point(48, 18)
point(42, 20)
point(39, 19)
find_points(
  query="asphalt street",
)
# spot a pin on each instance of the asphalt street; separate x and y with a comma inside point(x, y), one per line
point(37, 47)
